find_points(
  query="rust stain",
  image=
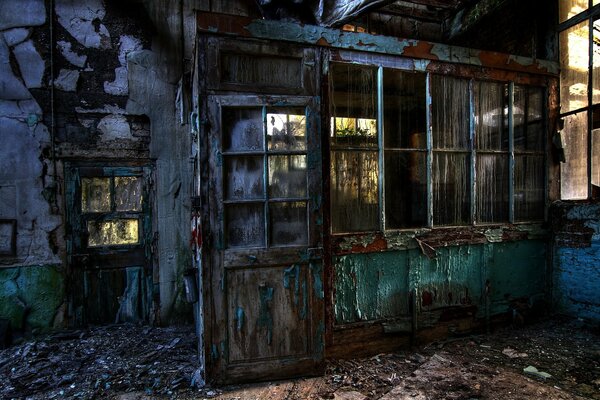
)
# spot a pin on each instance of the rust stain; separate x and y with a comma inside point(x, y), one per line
point(426, 298)
point(323, 42)
point(421, 50)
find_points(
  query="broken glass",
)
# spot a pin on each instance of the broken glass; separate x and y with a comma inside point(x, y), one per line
point(573, 172)
point(289, 223)
point(128, 193)
point(244, 177)
point(529, 187)
point(286, 129)
point(492, 188)
point(242, 129)
point(245, 225)
point(451, 188)
point(113, 233)
point(450, 112)
point(405, 190)
point(95, 195)
point(287, 176)
point(491, 115)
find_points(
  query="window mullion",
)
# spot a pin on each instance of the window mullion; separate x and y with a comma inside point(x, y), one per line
point(429, 128)
point(511, 153)
point(473, 181)
point(380, 142)
point(265, 176)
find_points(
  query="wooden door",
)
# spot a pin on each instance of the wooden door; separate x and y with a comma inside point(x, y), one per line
point(265, 293)
point(109, 243)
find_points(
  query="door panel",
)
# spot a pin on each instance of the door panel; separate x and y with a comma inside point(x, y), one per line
point(264, 311)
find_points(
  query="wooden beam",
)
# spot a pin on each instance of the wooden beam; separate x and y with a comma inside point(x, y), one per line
point(467, 18)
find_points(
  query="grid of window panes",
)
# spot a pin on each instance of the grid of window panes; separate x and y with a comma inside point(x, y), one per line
point(265, 176)
point(482, 161)
point(579, 36)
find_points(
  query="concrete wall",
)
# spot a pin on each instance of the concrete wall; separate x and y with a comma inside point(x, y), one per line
point(576, 259)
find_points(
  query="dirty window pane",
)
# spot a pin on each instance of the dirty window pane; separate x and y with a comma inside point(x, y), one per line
point(242, 129)
point(596, 67)
point(492, 188)
point(245, 225)
point(405, 190)
point(128, 193)
point(573, 172)
point(574, 67)
point(286, 129)
point(287, 176)
point(404, 109)
point(353, 105)
point(95, 195)
point(261, 70)
point(451, 189)
point(450, 112)
point(596, 160)
point(354, 191)
point(528, 112)
point(570, 8)
point(529, 187)
point(288, 222)
point(112, 233)
point(244, 177)
point(491, 115)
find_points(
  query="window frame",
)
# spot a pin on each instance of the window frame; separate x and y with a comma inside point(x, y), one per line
point(590, 16)
point(472, 76)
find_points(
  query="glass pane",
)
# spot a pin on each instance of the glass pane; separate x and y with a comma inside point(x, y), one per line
point(450, 112)
point(95, 195)
point(287, 176)
point(596, 67)
point(451, 192)
point(286, 129)
point(404, 109)
point(405, 190)
point(244, 177)
point(528, 112)
point(529, 188)
point(492, 188)
point(245, 225)
point(354, 191)
point(573, 173)
point(111, 233)
point(596, 160)
point(574, 67)
point(491, 115)
point(128, 193)
point(353, 105)
point(242, 129)
point(288, 223)
point(570, 8)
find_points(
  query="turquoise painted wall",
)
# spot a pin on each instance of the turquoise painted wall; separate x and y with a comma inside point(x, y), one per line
point(377, 285)
point(576, 254)
point(31, 296)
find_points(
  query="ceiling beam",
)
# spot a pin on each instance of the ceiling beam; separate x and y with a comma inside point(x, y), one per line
point(468, 17)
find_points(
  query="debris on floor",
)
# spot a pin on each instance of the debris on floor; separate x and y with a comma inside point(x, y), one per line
point(553, 359)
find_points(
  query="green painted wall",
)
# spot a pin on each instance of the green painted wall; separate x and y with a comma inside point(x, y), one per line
point(377, 285)
point(31, 296)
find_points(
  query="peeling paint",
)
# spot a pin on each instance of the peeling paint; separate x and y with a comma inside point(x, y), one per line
point(239, 318)
point(316, 269)
point(265, 318)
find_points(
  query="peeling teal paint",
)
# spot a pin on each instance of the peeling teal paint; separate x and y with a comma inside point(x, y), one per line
point(214, 352)
point(265, 318)
point(456, 54)
point(239, 318)
point(304, 309)
point(316, 269)
point(494, 235)
point(292, 272)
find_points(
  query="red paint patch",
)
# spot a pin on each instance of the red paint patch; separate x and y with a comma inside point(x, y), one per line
point(323, 42)
point(420, 50)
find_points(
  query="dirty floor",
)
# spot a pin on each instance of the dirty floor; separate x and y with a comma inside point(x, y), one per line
point(552, 359)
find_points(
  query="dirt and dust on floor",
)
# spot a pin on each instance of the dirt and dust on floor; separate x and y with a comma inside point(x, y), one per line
point(553, 359)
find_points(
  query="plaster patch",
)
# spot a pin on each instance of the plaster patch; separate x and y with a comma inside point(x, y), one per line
point(107, 109)
point(114, 127)
point(16, 36)
point(120, 86)
point(78, 17)
point(17, 13)
point(31, 64)
point(128, 44)
point(67, 80)
point(70, 55)
point(11, 87)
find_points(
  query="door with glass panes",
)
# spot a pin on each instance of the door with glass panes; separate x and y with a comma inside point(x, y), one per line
point(265, 306)
point(109, 243)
